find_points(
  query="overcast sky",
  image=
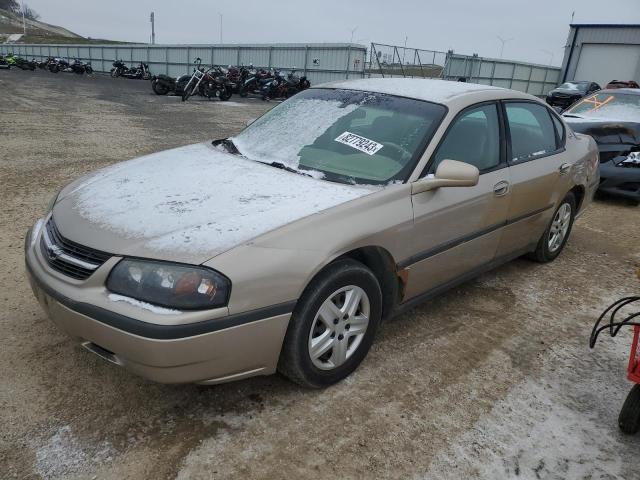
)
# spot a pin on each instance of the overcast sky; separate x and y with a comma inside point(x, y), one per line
point(466, 26)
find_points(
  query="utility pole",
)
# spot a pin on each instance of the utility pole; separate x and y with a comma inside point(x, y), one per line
point(549, 53)
point(352, 32)
point(503, 41)
point(153, 28)
point(220, 27)
point(404, 50)
point(24, 25)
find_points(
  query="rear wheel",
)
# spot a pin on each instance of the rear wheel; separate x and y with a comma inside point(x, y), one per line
point(557, 233)
point(629, 419)
point(333, 325)
point(225, 94)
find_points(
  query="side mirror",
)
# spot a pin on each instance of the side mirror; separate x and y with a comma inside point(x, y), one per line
point(450, 173)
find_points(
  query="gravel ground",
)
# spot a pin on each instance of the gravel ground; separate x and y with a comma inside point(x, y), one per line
point(492, 380)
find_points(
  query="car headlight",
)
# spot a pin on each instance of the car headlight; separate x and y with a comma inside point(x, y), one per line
point(170, 285)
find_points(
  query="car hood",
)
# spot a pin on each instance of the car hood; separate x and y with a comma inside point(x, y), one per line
point(189, 204)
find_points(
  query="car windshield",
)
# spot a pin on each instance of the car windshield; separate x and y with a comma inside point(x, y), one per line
point(617, 106)
point(343, 136)
point(582, 86)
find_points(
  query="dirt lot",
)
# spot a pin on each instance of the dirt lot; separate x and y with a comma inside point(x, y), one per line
point(492, 380)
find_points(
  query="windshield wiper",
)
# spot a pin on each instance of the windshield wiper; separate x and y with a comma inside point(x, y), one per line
point(572, 115)
point(282, 166)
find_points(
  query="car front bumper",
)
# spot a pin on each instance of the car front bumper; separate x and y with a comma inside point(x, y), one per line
point(216, 350)
point(620, 181)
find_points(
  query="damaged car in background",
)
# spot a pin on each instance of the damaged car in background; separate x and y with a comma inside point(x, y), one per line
point(284, 247)
point(612, 118)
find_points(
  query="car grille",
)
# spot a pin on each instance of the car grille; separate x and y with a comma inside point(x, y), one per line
point(70, 258)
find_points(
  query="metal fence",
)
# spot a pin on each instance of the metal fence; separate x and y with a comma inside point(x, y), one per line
point(398, 61)
point(321, 62)
point(526, 77)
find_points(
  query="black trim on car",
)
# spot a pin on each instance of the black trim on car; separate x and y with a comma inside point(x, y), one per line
point(466, 238)
point(162, 332)
point(423, 297)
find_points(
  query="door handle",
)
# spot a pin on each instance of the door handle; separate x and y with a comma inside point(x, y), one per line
point(564, 168)
point(501, 188)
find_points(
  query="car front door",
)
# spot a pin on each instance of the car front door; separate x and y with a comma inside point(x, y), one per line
point(457, 229)
point(539, 168)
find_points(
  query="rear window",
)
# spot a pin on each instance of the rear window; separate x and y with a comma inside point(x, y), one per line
point(532, 131)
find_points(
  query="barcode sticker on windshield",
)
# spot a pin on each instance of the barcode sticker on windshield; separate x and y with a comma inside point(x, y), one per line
point(359, 143)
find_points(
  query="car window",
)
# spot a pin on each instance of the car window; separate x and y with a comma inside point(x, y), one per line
point(531, 130)
point(473, 138)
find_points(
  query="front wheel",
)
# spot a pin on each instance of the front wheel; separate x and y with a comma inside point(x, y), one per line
point(557, 233)
point(629, 419)
point(332, 326)
point(115, 72)
point(186, 94)
point(159, 88)
point(225, 94)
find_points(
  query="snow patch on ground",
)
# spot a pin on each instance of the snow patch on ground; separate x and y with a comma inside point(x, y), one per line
point(64, 454)
point(199, 200)
point(144, 305)
point(559, 427)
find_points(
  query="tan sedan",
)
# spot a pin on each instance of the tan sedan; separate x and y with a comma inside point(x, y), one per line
point(285, 247)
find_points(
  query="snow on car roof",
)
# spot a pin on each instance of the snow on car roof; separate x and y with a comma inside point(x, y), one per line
point(431, 90)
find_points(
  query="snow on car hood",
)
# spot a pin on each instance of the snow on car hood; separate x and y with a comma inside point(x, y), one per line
point(189, 204)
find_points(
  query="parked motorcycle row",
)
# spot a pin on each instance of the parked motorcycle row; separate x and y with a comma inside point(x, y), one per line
point(54, 65)
point(219, 82)
point(208, 82)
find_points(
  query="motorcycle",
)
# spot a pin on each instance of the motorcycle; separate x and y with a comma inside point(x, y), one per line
point(11, 59)
point(139, 72)
point(209, 83)
point(119, 68)
point(284, 87)
point(74, 66)
point(165, 84)
point(44, 64)
point(238, 76)
point(254, 82)
point(3, 63)
point(24, 64)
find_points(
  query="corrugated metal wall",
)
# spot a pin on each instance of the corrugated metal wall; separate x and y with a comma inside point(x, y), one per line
point(321, 62)
point(595, 34)
point(526, 77)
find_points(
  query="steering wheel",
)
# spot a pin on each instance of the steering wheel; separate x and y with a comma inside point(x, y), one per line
point(403, 151)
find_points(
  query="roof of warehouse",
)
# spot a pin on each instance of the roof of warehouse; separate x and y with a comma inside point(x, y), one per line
point(606, 25)
point(430, 90)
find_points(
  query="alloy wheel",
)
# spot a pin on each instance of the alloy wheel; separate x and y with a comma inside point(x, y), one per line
point(559, 227)
point(339, 327)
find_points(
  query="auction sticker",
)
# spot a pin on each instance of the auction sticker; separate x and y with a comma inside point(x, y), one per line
point(359, 143)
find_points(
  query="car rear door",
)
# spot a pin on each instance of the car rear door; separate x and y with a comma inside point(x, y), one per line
point(457, 229)
point(539, 169)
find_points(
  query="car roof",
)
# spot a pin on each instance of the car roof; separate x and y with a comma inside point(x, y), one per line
point(431, 90)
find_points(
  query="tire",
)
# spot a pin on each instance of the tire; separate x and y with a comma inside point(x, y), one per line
point(225, 94)
point(159, 88)
point(629, 418)
point(186, 94)
point(341, 278)
point(544, 251)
